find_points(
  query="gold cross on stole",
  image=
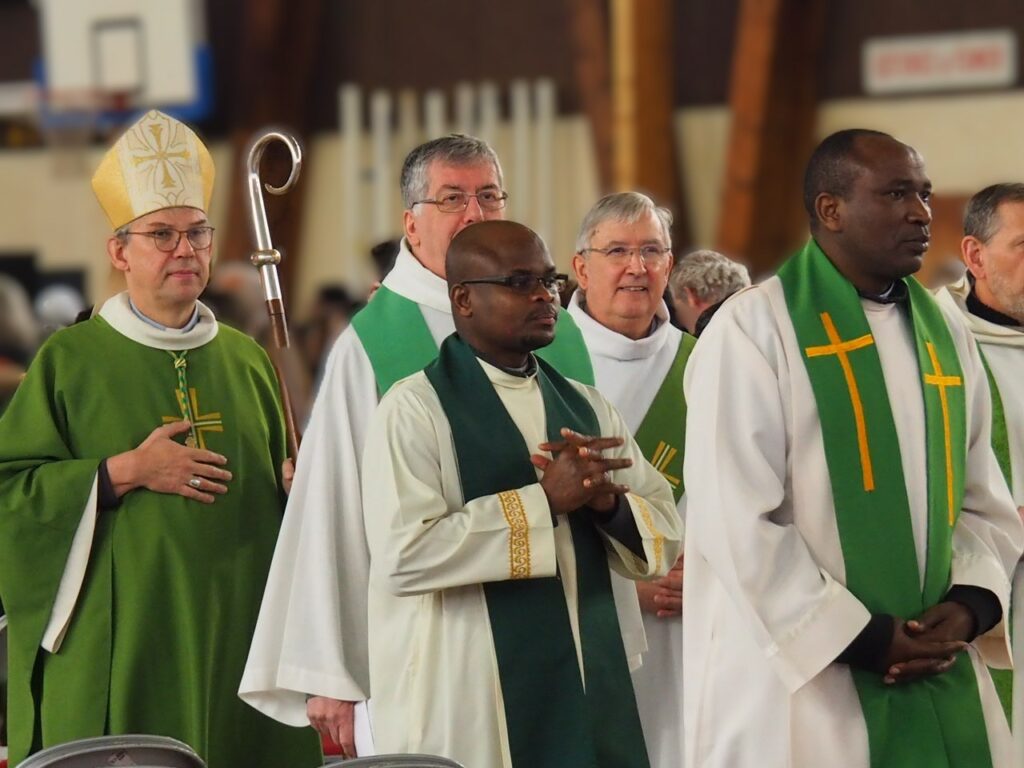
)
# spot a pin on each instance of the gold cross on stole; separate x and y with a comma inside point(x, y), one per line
point(841, 349)
point(210, 422)
point(663, 455)
point(942, 381)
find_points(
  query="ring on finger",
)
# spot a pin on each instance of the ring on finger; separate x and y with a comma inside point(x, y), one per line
point(195, 482)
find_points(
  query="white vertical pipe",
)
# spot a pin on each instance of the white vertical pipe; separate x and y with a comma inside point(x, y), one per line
point(434, 114)
point(521, 191)
point(350, 116)
point(487, 95)
point(380, 129)
point(544, 129)
point(465, 106)
point(408, 121)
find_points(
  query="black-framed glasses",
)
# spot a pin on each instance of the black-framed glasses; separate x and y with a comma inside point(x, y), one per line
point(620, 254)
point(525, 284)
point(166, 239)
point(457, 202)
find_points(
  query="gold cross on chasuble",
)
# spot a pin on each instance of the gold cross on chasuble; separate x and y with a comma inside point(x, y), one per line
point(938, 379)
point(663, 455)
point(841, 350)
point(201, 423)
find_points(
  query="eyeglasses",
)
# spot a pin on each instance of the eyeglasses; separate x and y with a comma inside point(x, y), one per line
point(167, 239)
point(457, 202)
point(526, 284)
point(620, 254)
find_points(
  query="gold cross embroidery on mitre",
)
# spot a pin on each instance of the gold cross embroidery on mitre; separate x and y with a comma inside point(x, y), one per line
point(210, 422)
point(163, 155)
point(663, 456)
point(841, 350)
point(938, 379)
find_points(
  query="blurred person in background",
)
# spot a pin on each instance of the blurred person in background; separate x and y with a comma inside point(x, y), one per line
point(701, 280)
point(58, 306)
point(142, 481)
point(622, 262)
point(19, 336)
point(991, 298)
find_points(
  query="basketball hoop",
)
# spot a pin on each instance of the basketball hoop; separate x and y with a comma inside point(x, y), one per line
point(70, 121)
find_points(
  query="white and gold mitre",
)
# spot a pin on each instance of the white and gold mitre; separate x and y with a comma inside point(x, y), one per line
point(157, 163)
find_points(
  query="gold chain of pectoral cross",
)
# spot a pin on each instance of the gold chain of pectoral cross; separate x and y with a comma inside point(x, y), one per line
point(188, 402)
point(940, 380)
point(841, 350)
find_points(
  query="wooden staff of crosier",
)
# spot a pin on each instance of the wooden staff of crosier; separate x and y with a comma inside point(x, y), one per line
point(266, 258)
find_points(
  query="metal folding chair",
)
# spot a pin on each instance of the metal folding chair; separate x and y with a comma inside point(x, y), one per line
point(393, 761)
point(136, 750)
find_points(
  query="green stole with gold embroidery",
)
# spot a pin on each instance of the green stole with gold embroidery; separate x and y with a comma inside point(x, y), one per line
point(554, 718)
point(398, 342)
point(937, 721)
point(1001, 678)
point(663, 430)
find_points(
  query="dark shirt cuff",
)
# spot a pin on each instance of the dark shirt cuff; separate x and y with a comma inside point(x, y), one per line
point(868, 649)
point(107, 497)
point(980, 602)
point(620, 524)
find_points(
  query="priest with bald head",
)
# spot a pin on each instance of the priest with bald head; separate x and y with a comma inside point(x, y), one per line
point(497, 496)
point(141, 490)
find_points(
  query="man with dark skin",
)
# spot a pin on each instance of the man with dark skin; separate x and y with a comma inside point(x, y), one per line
point(845, 539)
point(502, 493)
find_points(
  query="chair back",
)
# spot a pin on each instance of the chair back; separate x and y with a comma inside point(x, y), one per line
point(393, 761)
point(139, 751)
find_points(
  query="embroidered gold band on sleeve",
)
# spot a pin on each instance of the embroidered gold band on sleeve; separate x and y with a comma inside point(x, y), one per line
point(659, 539)
point(519, 534)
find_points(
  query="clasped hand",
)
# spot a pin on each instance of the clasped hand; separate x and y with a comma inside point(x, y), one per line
point(579, 475)
point(929, 644)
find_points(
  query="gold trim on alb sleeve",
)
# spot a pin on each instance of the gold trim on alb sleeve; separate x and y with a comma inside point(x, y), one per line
point(659, 540)
point(518, 535)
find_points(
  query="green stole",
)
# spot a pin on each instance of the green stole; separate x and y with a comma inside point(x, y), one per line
point(937, 721)
point(405, 346)
point(1002, 678)
point(552, 721)
point(662, 432)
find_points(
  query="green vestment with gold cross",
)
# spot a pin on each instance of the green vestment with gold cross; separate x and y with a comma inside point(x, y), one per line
point(936, 721)
point(161, 628)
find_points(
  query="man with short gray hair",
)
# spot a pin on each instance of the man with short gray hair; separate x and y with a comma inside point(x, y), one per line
point(622, 263)
point(309, 657)
point(702, 279)
point(991, 298)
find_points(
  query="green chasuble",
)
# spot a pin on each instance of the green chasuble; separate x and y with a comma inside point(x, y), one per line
point(400, 354)
point(161, 628)
point(552, 721)
point(938, 721)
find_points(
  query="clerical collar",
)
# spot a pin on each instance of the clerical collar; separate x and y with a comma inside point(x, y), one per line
point(980, 309)
point(192, 323)
point(524, 371)
point(897, 293)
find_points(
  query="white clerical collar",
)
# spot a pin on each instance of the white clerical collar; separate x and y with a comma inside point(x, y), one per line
point(409, 278)
point(502, 378)
point(605, 342)
point(118, 312)
point(192, 321)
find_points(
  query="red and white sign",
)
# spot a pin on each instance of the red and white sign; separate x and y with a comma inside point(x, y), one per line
point(984, 59)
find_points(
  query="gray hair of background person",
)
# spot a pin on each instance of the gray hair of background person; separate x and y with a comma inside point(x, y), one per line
point(629, 207)
point(981, 218)
point(709, 274)
point(453, 149)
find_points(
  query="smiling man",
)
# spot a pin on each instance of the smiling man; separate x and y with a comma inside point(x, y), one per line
point(622, 263)
point(309, 660)
point(497, 494)
point(848, 534)
point(141, 490)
